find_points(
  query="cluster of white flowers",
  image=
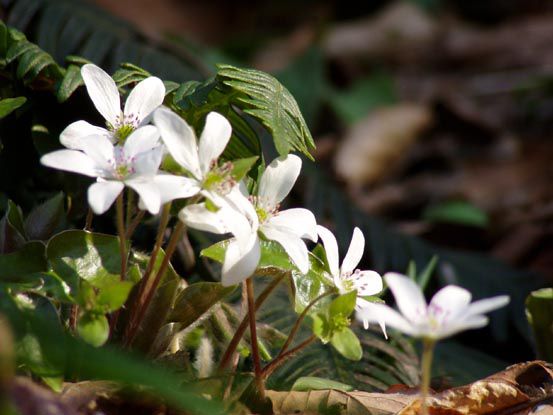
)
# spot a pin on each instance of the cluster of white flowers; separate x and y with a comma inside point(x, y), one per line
point(129, 152)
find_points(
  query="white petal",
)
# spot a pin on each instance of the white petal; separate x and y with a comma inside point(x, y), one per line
point(148, 192)
point(449, 302)
point(377, 313)
point(101, 150)
point(142, 139)
point(101, 195)
point(145, 97)
point(298, 221)
point(71, 160)
point(367, 282)
point(355, 252)
point(74, 132)
point(214, 139)
point(239, 265)
point(147, 163)
point(197, 216)
point(102, 91)
point(473, 322)
point(408, 296)
point(361, 304)
point(331, 249)
point(180, 140)
point(175, 187)
point(487, 304)
point(278, 179)
point(294, 246)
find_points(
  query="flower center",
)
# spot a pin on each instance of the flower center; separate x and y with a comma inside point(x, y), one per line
point(124, 125)
point(264, 212)
point(123, 166)
point(219, 178)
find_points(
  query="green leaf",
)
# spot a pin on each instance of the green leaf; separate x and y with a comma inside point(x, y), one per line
point(241, 167)
point(195, 300)
point(28, 260)
point(457, 212)
point(364, 96)
point(273, 256)
point(7, 105)
point(76, 359)
point(307, 383)
point(539, 312)
point(310, 286)
point(112, 297)
point(424, 277)
point(93, 328)
point(343, 305)
point(71, 81)
point(267, 100)
point(45, 218)
point(347, 344)
point(12, 232)
point(93, 257)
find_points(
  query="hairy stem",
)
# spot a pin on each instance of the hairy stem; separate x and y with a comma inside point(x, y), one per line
point(299, 320)
point(122, 235)
point(130, 206)
point(281, 358)
point(135, 222)
point(253, 333)
point(144, 282)
point(231, 348)
point(426, 369)
point(88, 220)
point(171, 246)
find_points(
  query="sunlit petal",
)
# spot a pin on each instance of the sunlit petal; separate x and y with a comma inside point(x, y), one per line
point(240, 264)
point(278, 179)
point(214, 139)
point(101, 195)
point(102, 91)
point(293, 245)
point(408, 296)
point(71, 136)
point(355, 252)
point(331, 249)
point(145, 97)
point(71, 160)
point(179, 138)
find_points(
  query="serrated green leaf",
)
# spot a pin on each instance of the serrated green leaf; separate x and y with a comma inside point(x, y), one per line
point(71, 81)
point(195, 300)
point(347, 344)
point(7, 105)
point(17, 49)
point(267, 100)
point(307, 383)
point(93, 328)
point(32, 62)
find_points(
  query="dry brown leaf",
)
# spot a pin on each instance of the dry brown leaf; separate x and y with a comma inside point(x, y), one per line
point(338, 402)
point(374, 147)
point(515, 390)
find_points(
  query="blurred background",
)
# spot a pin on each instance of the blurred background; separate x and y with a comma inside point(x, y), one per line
point(432, 120)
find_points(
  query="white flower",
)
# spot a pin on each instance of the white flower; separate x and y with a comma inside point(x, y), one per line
point(199, 159)
point(134, 164)
point(450, 310)
point(248, 218)
point(146, 96)
point(346, 277)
